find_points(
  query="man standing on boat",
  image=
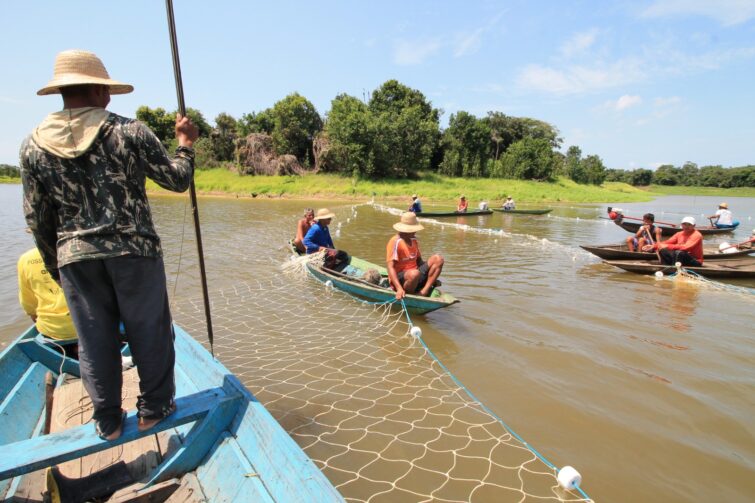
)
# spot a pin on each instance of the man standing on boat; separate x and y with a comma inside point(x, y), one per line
point(686, 246)
point(407, 272)
point(83, 171)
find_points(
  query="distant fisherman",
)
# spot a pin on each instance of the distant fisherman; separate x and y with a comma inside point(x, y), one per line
point(416, 206)
point(84, 171)
point(318, 238)
point(723, 218)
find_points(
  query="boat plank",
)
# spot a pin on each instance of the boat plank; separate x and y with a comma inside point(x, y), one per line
point(13, 364)
point(20, 411)
point(190, 491)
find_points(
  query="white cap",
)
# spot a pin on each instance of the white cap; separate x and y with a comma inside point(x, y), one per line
point(688, 220)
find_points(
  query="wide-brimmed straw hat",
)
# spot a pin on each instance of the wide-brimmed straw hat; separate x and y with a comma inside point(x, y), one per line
point(408, 223)
point(414, 196)
point(324, 213)
point(724, 205)
point(76, 67)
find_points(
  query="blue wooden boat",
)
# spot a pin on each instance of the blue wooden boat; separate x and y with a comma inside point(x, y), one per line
point(227, 445)
point(350, 280)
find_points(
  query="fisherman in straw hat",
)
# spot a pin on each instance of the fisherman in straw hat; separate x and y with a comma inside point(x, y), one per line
point(83, 171)
point(723, 218)
point(686, 246)
point(407, 272)
point(318, 238)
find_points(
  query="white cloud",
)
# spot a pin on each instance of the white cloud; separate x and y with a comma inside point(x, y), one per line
point(727, 12)
point(409, 53)
point(468, 43)
point(579, 43)
point(626, 101)
point(580, 78)
point(663, 102)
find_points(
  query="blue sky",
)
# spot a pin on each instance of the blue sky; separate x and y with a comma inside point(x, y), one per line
point(639, 83)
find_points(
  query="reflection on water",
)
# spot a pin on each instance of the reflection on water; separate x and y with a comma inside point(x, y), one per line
point(583, 360)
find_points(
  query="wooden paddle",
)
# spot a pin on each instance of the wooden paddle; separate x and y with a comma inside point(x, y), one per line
point(752, 239)
point(657, 222)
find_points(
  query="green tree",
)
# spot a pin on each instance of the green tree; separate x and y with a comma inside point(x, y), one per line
point(406, 130)
point(506, 130)
point(528, 159)
point(261, 122)
point(223, 138)
point(350, 132)
point(465, 145)
point(159, 121)
point(573, 166)
point(295, 124)
point(640, 177)
point(666, 175)
point(595, 171)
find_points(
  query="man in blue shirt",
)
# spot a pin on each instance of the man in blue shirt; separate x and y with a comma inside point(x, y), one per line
point(318, 236)
point(416, 206)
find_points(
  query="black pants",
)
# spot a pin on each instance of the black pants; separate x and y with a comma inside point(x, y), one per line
point(671, 257)
point(101, 294)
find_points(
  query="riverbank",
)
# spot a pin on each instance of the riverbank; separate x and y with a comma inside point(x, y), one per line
point(431, 187)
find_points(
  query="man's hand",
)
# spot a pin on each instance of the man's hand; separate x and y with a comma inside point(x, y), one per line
point(400, 293)
point(186, 132)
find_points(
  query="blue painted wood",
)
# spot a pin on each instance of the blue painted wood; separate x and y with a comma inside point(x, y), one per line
point(229, 476)
point(14, 483)
point(13, 364)
point(415, 303)
point(199, 441)
point(20, 411)
point(53, 360)
point(40, 452)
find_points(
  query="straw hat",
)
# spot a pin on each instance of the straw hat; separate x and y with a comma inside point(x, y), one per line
point(414, 196)
point(408, 223)
point(724, 205)
point(323, 214)
point(76, 67)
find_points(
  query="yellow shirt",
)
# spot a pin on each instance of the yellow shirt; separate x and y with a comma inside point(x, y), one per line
point(42, 297)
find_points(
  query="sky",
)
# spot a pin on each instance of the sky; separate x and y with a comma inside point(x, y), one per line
point(639, 83)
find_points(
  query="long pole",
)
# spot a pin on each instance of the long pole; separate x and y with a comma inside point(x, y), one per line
point(192, 189)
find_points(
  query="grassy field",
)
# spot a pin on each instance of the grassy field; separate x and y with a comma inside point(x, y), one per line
point(703, 191)
point(430, 187)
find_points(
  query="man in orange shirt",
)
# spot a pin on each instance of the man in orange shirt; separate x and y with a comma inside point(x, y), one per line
point(686, 246)
point(407, 272)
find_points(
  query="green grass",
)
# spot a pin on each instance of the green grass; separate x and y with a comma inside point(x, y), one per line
point(10, 179)
point(702, 191)
point(430, 187)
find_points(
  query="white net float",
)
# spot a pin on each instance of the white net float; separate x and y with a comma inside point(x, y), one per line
point(658, 274)
point(328, 284)
point(416, 331)
point(569, 478)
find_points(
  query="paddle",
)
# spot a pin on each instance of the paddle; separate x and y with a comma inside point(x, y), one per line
point(657, 222)
point(751, 240)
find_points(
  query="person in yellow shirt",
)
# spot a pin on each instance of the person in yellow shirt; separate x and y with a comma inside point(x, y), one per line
point(42, 298)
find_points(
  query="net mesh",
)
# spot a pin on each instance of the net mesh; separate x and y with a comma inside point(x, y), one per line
point(366, 400)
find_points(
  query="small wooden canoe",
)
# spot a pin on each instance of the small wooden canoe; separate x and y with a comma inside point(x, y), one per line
point(737, 268)
point(621, 252)
point(351, 281)
point(470, 213)
point(667, 230)
point(220, 444)
point(524, 212)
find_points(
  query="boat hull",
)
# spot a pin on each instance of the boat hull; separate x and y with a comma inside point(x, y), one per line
point(666, 230)
point(470, 213)
point(524, 212)
point(621, 252)
point(742, 268)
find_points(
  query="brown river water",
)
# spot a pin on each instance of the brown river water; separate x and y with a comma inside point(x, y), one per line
point(647, 387)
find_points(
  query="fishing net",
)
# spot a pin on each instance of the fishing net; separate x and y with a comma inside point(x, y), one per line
point(366, 400)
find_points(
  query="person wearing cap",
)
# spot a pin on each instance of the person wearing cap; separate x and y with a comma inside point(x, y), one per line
point(723, 218)
point(416, 206)
point(462, 206)
point(302, 227)
point(318, 236)
point(509, 204)
point(407, 272)
point(686, 246)
point(83, 171)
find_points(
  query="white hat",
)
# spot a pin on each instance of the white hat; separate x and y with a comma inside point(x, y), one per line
point(76, 67)
point(688, 220)
point(408, 223)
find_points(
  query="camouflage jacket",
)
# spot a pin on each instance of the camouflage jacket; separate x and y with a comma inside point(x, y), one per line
point(95, 205)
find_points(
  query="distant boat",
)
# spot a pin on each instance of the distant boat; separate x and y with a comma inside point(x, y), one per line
point(621, 252)
point(221, 444)
point(736, 268)
point(469, 213)
point(525, 212)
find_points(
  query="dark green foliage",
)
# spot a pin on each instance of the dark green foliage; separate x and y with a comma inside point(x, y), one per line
point(10, 171)
point(527, 159)
point(465, 145)
point(595, 171)
point(295, 124)
point(223, 138)
point(255, 123)
point(506, 130)
point(163, 124)
point(351, 135)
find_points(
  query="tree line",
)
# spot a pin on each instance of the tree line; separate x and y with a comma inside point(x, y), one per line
point(688, 174)
point(395, 133)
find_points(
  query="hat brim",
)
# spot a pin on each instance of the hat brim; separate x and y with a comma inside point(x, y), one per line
point(53, 87)
point(325, 217)
point(401, 227)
